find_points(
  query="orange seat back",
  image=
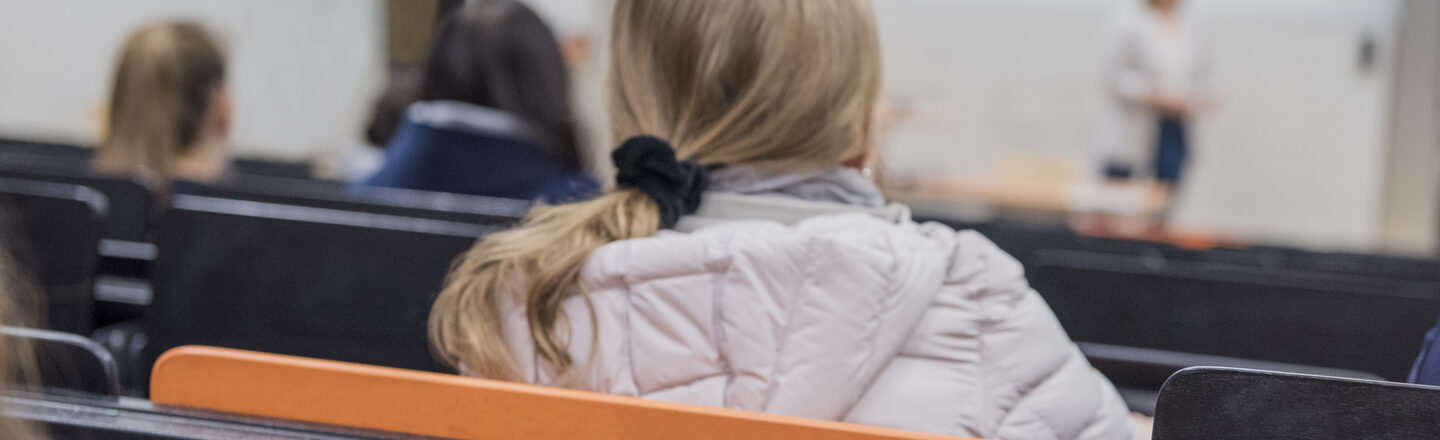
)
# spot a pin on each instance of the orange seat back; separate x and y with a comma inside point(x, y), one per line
point(440, 405)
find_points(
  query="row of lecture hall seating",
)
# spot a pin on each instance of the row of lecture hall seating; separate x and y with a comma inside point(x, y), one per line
point(1142, 311)
point(284, 265)
point(216, 393)
point(50, 154)
point(302, 267)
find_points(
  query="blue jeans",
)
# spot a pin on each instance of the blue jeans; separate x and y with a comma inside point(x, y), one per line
point(1172, 150)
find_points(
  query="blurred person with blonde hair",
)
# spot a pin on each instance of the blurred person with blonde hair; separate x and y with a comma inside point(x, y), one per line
point(746, 261)
point(17, 358)
point(169, 112)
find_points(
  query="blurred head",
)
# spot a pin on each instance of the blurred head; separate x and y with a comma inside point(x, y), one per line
point(1163, 5)
point(499, 54)
point(169, 112)
point(785, 84)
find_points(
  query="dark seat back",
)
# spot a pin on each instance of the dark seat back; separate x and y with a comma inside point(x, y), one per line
point(1366, 324)
point(80, 158)
point(73, 417)
point(1138, 373)
point(1382, 266)
point(389, 201)
point(1025, 241)
point(70, 363)
point(1224, 403)
point(131, 204)
point(53, 231)
point(316, 282)
point(26, 149)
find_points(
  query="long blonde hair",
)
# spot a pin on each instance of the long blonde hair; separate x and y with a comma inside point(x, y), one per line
point(789, 85)
point(17, 357)
point(167, 76)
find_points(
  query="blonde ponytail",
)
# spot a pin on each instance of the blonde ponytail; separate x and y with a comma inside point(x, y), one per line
point(784, 84)
point(539, 264)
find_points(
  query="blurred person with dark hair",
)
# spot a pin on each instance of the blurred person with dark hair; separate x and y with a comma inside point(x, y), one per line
point(1426, 370)
point(492, 113)
point(169, 115)
point(1157, 77)
point(389, 111)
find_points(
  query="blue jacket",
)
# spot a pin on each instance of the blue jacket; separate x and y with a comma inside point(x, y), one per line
point(461, 148)
point(1427, 367)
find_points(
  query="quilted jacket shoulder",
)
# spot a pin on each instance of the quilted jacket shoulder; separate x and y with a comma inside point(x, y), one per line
point(839, 317)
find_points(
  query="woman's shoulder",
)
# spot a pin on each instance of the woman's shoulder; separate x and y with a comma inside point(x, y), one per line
point(846, 239)
point(964, 256)
point(857, 230)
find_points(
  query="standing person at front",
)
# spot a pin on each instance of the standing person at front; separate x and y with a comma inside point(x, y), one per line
point(764, 272)
point(1157, 77)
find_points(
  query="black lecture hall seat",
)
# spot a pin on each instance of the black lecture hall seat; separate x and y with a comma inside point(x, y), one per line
point(1235, 404)
point(79, 417)
point(124, 250)
point(1138, 373)
point(80, 158)
point(1384, 266)
point(1024, 241)
point(389, 201)
point(131, 204)
point(17, 149)
point(1340, 321)
point(53, 231)
point(318, 282)
point(68, 363)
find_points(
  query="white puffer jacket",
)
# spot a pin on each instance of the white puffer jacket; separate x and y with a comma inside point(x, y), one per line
point(832, 312)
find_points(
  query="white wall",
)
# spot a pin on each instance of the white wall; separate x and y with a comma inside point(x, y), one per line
point(1295, 154)
point(1412, 203)
point(303, 72)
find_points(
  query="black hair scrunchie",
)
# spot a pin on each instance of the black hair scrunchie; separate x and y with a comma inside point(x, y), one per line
point(648, 164)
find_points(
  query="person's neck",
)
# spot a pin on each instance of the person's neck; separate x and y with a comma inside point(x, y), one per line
point(205, 163)
point(1167, 13)
point(830, 184)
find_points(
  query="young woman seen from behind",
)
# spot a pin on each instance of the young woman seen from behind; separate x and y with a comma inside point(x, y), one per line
point(765, 272)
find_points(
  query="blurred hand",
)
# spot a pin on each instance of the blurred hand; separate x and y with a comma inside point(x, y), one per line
point(576, 50)
point(1168, 103)
point(1144, 425)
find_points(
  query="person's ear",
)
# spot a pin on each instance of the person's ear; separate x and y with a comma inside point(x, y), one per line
point(859, 162)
